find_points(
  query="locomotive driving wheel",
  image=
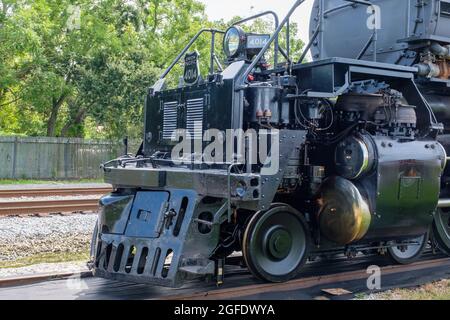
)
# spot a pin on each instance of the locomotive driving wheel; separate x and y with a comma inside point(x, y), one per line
point(441, 230)
point(275, 243)
point(408, 253)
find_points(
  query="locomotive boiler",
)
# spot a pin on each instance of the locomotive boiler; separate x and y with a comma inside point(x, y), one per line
point(282, 161)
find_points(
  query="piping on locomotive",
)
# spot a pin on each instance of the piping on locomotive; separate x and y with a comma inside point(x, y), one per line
point(359, 167)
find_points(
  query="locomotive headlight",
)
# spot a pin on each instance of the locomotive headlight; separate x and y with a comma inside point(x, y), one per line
point(234, 41)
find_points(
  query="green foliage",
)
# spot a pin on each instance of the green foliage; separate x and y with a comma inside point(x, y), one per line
point(86, 75)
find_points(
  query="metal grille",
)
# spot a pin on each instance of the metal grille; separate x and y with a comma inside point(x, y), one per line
point(170, 119)
point(194, 119)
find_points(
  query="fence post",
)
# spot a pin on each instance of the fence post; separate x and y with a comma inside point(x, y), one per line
point(14, 159)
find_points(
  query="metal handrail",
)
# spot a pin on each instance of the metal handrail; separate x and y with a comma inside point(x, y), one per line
point(371, 40)
point(271, 40)
point(310, 43)
point(188, 46)
point(277, 23)
point(274, 38)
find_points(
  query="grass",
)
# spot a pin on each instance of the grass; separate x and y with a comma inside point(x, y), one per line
point(45, 258)
point(439, 290)
point(27, 181)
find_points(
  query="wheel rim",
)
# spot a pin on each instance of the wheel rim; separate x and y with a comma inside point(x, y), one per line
point(410, 251)
point(442, 229)
point(275, 244)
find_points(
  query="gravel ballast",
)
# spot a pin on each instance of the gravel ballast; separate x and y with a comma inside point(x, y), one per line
point(44, 268)
point(22, 237)
point(50, 244)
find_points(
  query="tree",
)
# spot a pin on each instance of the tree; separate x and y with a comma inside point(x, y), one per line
point(81, 68)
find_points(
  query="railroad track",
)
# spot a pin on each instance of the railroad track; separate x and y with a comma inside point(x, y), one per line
point(52, 192)
point(307, 282)
point(50, 206)
point(240, 285)
point(47, 206)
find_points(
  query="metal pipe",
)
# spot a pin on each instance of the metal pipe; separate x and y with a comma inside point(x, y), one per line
point(212, 53)
point(321, 22)
point(429, 69)
point(249, 155)
point(269, 43)
point(375, 43)
point(229, 212)
point(285, 55)
point(305, 51)
point(337, 8)
point(277, 23)
point(363, 51)
point(444, 203)
point(442, 51)
point(218, 63)
point(288, 38)
point(366, 3)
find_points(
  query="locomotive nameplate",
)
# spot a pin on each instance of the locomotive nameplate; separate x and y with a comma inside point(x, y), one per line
point(191, 68)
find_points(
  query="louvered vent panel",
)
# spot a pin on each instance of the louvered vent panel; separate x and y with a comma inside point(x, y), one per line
point(170, 119)
point(194, 119)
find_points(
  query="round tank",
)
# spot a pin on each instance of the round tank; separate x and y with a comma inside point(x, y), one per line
point(344, 215)
point(401, 26)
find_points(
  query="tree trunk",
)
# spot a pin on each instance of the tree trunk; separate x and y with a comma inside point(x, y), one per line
point(51, 123)
point(78, 119)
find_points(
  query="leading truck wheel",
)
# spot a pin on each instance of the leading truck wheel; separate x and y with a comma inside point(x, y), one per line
point(275, 244)
point(441, 230)
point(408, 253)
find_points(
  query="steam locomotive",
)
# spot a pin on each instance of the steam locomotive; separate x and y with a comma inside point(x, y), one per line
point(289, 161)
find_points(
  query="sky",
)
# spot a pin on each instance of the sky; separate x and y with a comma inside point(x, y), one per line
point(226, 9)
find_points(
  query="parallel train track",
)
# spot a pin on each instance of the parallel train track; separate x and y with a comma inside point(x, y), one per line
point(307, 282)
point(50, 206)
point(47, 206)
point(48, 192)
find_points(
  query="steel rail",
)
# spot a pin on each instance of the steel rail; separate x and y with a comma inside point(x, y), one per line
point(303, 283)
point(11, 193)
point(47, 206)
point(357, 273)
point(31, 279)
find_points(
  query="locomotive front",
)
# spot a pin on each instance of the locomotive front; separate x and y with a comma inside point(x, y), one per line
point(282, 164)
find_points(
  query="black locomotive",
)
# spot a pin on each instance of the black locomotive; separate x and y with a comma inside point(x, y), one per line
point(290, 162)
